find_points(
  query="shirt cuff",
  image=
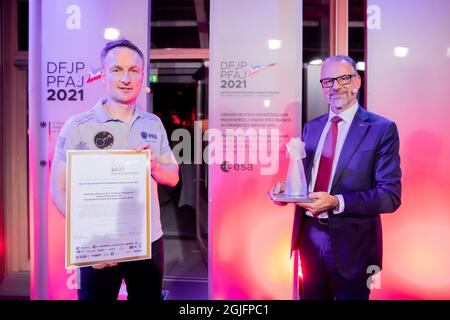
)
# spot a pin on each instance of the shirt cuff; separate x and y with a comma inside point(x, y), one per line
point(340, 208)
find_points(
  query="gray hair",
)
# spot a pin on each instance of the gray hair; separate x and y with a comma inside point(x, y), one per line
point(341, 58)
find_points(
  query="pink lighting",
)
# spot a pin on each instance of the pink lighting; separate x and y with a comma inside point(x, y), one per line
point(416, 262)
point(80, 26)
point(249, 236)
point(406, 68)
point(265, 272)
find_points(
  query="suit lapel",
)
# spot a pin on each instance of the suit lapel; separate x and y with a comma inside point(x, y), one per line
point(354, 137)
point(314, 132)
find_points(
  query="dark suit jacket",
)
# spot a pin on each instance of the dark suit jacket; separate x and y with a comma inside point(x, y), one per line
point(368, 177)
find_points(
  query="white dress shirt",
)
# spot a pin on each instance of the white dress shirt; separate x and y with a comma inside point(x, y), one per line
point(343, 127)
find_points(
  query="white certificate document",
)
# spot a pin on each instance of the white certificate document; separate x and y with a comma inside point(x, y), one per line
point(107, 206)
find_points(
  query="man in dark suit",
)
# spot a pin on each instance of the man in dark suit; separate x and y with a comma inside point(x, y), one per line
point(352, 168)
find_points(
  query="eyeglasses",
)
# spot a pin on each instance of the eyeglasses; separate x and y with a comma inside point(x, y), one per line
point(342, 80)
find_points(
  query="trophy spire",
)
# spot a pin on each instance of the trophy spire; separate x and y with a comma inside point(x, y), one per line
point(296, 180)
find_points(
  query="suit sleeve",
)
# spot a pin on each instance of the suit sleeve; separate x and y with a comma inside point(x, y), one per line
point(304, 132)
point(385, 197)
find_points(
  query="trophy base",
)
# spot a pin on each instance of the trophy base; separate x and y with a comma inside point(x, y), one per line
point(282, 197)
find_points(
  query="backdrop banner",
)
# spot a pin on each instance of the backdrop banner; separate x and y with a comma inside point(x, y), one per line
point(254, 109)
point(66, 38)
point(406, 72)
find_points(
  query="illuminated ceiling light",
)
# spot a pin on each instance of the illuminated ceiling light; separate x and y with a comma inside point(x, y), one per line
point(111, 34)
point(401, 52)
point(274, 44)
point(316, 62)
point(361, 66)
point(267, 103)
point(448, 52)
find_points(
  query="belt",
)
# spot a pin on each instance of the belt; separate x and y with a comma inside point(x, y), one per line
point(318, 220)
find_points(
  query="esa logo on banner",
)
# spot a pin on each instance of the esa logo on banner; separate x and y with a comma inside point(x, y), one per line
point(227, 167)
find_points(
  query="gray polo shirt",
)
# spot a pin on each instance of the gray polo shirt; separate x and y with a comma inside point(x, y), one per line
point(95, 129)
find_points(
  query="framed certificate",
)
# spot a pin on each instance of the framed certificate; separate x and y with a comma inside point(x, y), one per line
point(107, 207)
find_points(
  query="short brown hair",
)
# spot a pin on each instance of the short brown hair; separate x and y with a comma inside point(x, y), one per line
point(121, 43)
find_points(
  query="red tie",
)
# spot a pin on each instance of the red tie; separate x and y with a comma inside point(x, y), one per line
point(327, 156)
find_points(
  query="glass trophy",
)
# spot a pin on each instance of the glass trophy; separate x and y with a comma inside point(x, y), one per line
point(296, 188)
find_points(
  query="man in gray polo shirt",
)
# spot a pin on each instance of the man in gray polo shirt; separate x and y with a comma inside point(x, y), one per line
point(115, 122)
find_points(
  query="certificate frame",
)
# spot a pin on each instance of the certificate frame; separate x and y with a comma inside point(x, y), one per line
point(71, 157)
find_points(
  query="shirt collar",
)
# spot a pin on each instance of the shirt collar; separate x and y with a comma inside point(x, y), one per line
point(100, 112)
point(138, 112)
point(347, 116)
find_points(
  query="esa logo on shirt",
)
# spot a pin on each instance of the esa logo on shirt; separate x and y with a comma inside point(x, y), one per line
point(148, 135)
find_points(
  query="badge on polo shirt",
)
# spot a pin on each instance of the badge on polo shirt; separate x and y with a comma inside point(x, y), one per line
point(103, 140)
point(148, 135)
